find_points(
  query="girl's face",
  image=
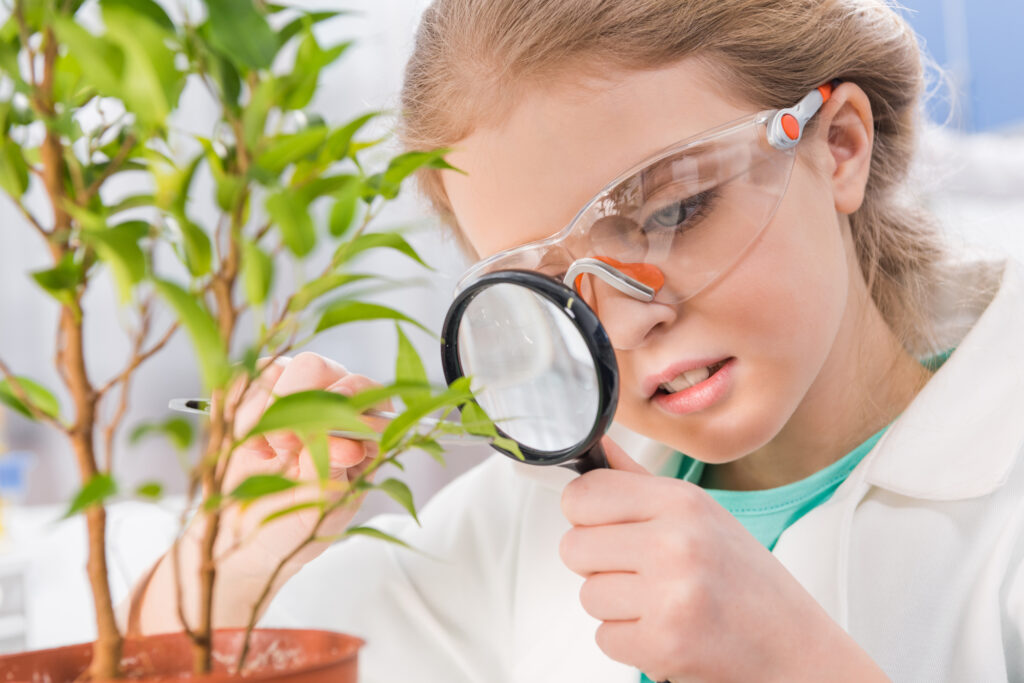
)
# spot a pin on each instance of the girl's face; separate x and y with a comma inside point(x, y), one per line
point(776, 314)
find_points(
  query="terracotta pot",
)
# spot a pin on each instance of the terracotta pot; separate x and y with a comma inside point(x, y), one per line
point(294, 656)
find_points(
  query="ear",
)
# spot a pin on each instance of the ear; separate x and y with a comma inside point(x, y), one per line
point(851, 134)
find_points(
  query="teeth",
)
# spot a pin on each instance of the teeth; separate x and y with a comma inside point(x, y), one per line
point(689, 378)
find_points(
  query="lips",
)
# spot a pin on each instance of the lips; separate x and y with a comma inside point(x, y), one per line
point(652, 382)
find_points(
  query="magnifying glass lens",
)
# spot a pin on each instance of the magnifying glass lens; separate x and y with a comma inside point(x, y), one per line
point(531, 366)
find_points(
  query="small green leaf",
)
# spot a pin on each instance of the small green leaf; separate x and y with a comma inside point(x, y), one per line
point(476, 421)
point(507, 445)
point(62, 281)
point(323, 285)
point(178, 431)
point(338, 142)
point(205, 335)
point(409, 368)
point(254, 114)
point(198, 247)
point(290, 510)
point(312, 411)
point(320, 453)
point(241, 33)
point(257, 273)
point(101, 59)
point(401, 494)
point(375, 533)
point(119, 247)
point(143, 9)
point(292, 217)
point(287, 149)
point(13, 169)
point(432, 448)
point(343, 212)
point(259, 485)
point(344, 312)
point(38, 395)
point(377, 240)
point(388, 183)
point(152, 490)
point(292, 28)
point(98, 489)
point(456, 394)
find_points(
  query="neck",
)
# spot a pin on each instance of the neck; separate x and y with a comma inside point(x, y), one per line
point(867, 380)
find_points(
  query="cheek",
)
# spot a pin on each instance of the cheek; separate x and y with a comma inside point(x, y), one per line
point(778, 311)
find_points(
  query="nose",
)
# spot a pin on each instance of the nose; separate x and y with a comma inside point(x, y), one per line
point(628, 321)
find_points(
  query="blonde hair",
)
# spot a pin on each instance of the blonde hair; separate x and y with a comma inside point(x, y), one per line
point(472, 57)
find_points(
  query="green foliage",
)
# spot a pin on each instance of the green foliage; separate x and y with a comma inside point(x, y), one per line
point(260, 485)
point(100, 487)
point(311, 411)
point(409, 368)
point(206, 339)
point(38, 396)
point(177, 430)
point(344, 312)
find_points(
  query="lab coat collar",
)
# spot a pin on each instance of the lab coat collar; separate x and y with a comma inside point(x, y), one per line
point(964, 431)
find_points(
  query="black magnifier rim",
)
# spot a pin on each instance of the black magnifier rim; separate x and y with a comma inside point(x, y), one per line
point(580, 314)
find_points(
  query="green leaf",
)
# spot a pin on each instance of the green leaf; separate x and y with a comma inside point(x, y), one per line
point(101, 59)
point(178, 431)
point(198, 247)
point(344, 312)
point(152, 490)
point(508, 445)
point(62, 281)
point(119, 247)
point(287, 149)
point(241, 33)
point(254, 114)
point(401, 494)
point(409, 368)
point(323, 285)
point(290, 510)
point(292, 217)
point(456, 394)
point(376, 240)
point(38, 395)
point(143, 9)
point(292, 28)
point(338, 142)
point(13, 169)
point(343, 212)
point(375, 533)
point(320, 454)
point(388, 183)
point(476, 421)
point(150, 82)
point(205, 335)
point(257, 273)
point(98, 489)
point(308, 412)
point(432, 448)
point(259, 485)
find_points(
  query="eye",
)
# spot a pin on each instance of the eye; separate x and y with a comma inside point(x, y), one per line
point(677, 215)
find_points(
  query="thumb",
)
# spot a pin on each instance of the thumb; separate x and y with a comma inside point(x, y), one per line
point(618, 459)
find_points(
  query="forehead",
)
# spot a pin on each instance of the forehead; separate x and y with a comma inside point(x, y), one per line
point(528, 176)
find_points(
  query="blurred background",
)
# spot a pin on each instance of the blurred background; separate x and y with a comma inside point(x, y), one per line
point(971, 173)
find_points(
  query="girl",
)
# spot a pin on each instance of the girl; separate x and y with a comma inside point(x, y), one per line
point(847, 397)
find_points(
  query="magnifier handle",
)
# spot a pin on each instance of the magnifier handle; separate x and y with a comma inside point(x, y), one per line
point(591, 460)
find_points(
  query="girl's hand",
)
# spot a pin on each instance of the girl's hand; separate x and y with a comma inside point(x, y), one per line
point(686, 593)
point(284, 453)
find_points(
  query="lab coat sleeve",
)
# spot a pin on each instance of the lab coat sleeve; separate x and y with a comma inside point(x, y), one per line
point(1013, 616)
point(440, 614)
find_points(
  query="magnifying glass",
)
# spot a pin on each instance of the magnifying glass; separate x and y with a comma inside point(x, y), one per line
point(541, 364)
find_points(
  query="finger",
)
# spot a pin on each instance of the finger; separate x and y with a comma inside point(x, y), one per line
point(613, 596)
point(618, 459)
point(609, 548)
point(623, 641)
point(257, 395)
point(352, 384)
point(609, 496)
point(304, 372)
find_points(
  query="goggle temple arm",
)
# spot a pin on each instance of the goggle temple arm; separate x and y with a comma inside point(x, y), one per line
point(787, 125)
point(608, 273)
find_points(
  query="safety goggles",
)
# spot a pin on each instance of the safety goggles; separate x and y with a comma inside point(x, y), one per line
point(669, 227)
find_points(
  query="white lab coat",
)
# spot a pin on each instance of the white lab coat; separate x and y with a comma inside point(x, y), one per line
point(919, 554)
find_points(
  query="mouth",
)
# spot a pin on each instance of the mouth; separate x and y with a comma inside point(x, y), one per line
point(684, 380)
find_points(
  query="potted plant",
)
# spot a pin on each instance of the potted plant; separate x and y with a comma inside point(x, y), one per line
point(87, 116)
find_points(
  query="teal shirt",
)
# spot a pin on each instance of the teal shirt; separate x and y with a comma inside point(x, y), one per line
point(769, 512)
